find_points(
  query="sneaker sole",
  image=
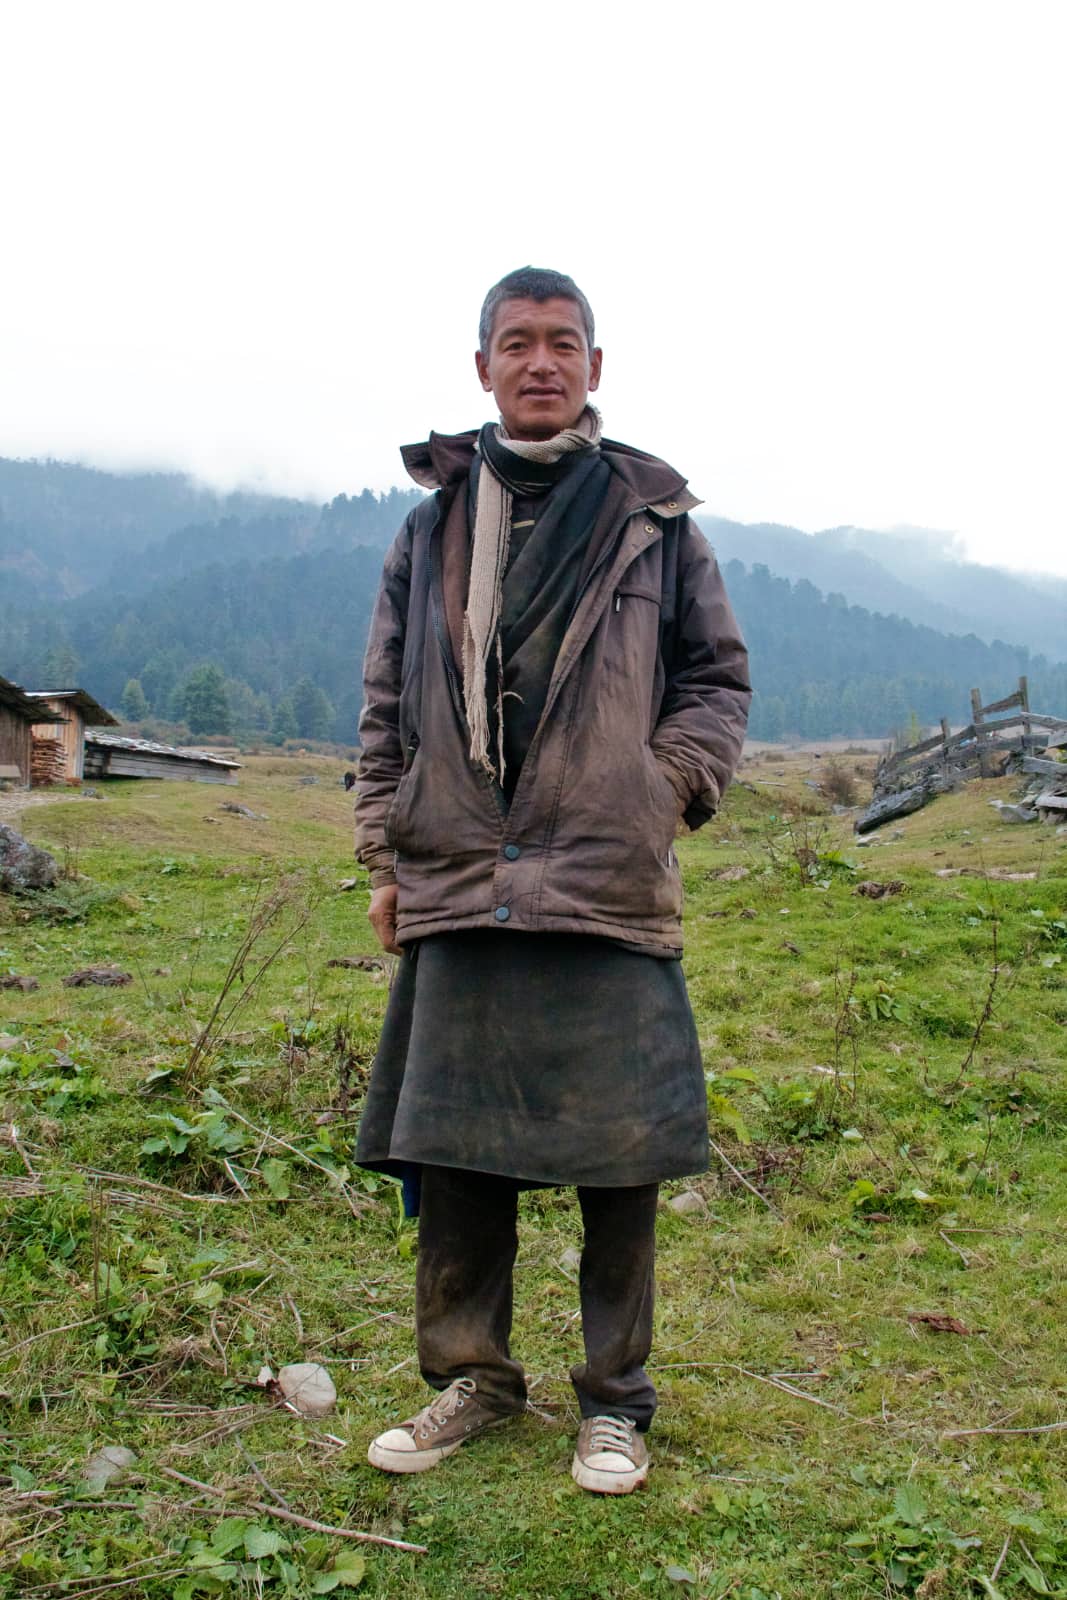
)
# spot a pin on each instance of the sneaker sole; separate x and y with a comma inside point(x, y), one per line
point(409, 1460)
point(421, 1460)
point(608, 1482)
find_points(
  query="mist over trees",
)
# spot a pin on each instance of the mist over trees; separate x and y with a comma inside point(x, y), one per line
point(254, 624)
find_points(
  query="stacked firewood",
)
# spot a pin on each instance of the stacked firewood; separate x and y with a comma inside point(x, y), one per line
point(47, 761)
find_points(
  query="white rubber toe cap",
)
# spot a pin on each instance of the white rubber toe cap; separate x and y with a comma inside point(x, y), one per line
point(607, 1472)
point(396, 1451)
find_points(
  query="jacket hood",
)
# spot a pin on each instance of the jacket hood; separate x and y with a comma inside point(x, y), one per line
point(445, 458)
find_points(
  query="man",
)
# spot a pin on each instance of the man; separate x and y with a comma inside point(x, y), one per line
point(553, 681)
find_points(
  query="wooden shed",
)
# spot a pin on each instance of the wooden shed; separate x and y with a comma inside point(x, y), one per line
point(19, 713)
point(109, 755)
point(81, 711)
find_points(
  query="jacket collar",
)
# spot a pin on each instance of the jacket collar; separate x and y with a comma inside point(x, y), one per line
point(445, 459)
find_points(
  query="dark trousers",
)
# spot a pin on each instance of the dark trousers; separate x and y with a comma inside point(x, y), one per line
point(463, 1292)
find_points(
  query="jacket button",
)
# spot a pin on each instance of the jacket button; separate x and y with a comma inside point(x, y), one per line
point(649, 528)
point(672, 505)
point(512, 852)
point(502, 913)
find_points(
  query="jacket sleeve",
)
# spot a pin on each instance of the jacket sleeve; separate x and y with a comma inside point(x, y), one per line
point(381, 757)
point(701, 726)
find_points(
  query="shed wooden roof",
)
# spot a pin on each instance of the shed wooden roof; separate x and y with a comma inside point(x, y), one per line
point(23, 705)
point(114, 741)
point(93, 713)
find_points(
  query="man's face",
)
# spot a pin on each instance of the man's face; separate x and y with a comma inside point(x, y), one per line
point(539, 367)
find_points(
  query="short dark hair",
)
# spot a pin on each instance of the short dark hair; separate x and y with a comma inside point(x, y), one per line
point(532, 283)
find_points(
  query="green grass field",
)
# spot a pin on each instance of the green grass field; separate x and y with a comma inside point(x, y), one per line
point(861, 1342)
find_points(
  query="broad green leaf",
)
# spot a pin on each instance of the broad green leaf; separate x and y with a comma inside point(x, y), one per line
point(275, 1175)
point(1028, 1523)
point(680, 1575)
point(228, 1534)
point(208, 1294)
point(263, 1542)
point(852, 1134)
point(909, 1505)
point(990, 1587)
point(349, 1568)
point(21, 1478)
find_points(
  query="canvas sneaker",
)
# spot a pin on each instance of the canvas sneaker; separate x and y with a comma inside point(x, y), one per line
point(439, 1429)
point(611, 1457)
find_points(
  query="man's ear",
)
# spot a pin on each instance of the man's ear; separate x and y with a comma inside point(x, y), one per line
point(596, 361)
point(483, 371)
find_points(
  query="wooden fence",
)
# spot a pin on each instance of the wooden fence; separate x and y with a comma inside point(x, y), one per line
point(1006, 725)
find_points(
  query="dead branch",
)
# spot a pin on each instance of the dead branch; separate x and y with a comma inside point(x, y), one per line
point(743, 1180)
point(298, 1521)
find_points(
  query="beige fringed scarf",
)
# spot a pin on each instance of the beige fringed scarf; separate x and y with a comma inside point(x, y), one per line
point(489, 560)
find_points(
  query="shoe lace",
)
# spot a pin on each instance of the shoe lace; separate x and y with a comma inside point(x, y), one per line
point(448, 1402)
point(611, 1433)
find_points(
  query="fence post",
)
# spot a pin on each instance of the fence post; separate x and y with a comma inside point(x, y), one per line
point(978, 718)
point(1024, 702)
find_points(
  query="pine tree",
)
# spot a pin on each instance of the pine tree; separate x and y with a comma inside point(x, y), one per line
point(203, 700)
point(313, 712)
point(134, 704)
point(283, 725)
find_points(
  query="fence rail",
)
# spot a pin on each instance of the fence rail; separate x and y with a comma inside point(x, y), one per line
point(972, 748)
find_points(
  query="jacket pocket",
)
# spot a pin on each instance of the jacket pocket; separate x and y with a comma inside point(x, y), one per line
point(397, 806)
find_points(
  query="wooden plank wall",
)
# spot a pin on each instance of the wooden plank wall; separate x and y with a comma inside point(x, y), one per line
point(101, 762)
point(71, 734)
point(16, 741)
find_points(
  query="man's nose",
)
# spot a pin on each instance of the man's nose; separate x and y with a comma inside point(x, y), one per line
point(542, 358)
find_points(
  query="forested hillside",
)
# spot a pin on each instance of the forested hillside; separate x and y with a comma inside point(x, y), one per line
point(247, 614)
point(915, 574)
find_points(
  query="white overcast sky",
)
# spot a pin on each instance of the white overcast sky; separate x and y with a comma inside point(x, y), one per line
point(825, 242)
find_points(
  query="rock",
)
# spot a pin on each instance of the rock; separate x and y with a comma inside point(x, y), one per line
point(102, 977)
point(570, 1261)
point(307, 780)
point(348, 883)
point(9, 1041)
point(880, 891)
point(1009, 813)
point(308, 1387)
point(10, 980)
point(688, 1203)
point(110, 1464)
point(23, 867)
point(732, 874)
point(359, 963)
point(748, 914)
point(236, 810)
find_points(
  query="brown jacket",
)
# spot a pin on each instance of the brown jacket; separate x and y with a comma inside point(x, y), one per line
point(643, 724)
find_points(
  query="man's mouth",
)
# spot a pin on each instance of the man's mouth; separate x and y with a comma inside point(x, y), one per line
point(541, 394)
